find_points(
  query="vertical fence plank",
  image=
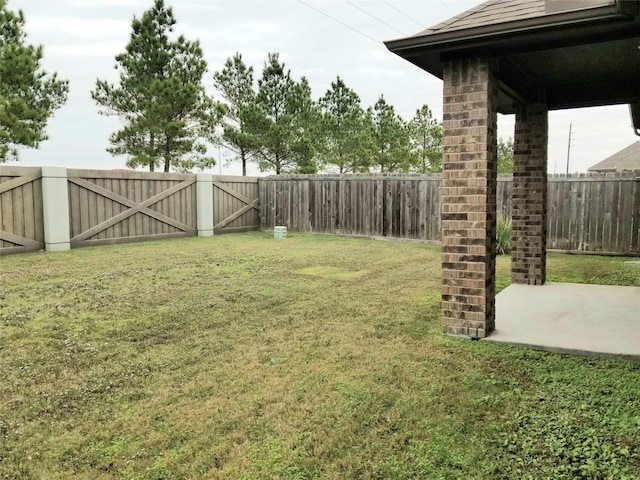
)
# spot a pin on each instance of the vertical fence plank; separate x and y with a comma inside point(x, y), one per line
point(102, 206)
point(146, 194)
point(305, 207)
point(38, 211)
point(108, 207)
point(625, 212)
point(7, 212)
point(635, 217)
point(84, 209)
point(18, 217)
point(27, 210)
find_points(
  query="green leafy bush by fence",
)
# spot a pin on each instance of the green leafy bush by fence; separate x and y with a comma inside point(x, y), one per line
point(503, 235)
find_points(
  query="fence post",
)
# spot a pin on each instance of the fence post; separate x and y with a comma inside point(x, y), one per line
point(204, 204)
point(55, 209)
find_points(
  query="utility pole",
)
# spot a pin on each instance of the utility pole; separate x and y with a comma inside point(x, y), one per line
point(569, 148)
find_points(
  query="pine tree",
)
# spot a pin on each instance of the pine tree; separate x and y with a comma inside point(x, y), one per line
point(166, 113)
point(426, 139)
point(391, 135)
point(279, 123)
point(306, 128)
point(347, 140)
point(235, 83)
point(28, 94)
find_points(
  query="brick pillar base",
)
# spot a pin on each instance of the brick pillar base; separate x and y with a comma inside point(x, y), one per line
point(469, 181)
point(529, 197)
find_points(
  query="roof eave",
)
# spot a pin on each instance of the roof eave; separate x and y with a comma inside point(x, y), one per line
point(496, 34)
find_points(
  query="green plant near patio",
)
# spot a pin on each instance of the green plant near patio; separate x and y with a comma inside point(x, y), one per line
point(503, 235)
point(241, 357)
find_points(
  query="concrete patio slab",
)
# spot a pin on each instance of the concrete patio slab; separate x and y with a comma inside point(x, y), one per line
point(598, 320)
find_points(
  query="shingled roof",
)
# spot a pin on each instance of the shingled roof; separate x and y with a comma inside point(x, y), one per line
point(624, 160)
point(572, 53)
point(494, 12)
point(491, 12)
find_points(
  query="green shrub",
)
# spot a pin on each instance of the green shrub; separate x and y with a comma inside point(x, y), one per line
point(503, 235)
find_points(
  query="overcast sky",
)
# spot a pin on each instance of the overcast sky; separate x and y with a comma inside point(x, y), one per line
point(82, 37)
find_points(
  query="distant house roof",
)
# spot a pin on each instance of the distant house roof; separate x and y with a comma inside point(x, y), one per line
point(624, 160)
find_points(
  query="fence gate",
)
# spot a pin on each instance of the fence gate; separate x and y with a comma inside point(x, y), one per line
point(120, 206)
point(235, 204)
point(21, 221)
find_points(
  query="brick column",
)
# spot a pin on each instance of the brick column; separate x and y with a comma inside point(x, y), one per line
point(469, 181)
point(529, 197)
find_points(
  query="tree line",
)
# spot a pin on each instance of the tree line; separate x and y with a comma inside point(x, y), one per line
point(168, 119)
point(283, 130)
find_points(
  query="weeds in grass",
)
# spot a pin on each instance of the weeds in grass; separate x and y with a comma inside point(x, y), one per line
point(315, 357)
point(503, 235)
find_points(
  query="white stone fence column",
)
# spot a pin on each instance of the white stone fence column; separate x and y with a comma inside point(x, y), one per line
point(55, 209)
point(204, 204)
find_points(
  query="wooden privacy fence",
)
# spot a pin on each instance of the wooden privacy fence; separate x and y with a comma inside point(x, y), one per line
point(113, 206)
point(56, 208)
point(594, 213)
point(391, 206)
point(21, 223)
point(236, 204)
point(585, 212)
point(96, 207)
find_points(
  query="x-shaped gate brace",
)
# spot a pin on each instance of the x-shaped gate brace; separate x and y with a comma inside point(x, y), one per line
point(11, 237)
point(133, 208)
point(249, 205)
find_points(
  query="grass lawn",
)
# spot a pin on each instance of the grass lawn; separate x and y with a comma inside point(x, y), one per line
point(241, 357)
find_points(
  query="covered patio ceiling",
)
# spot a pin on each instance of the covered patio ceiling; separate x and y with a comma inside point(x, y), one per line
point(565, 53)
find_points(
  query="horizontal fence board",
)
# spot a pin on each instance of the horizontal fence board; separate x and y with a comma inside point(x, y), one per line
point(130, 239)
point(128, 175)
point(251, 228)
point(11, 250)
point(234, 179)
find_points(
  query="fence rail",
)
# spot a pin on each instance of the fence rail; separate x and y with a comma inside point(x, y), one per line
point(92, 207)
